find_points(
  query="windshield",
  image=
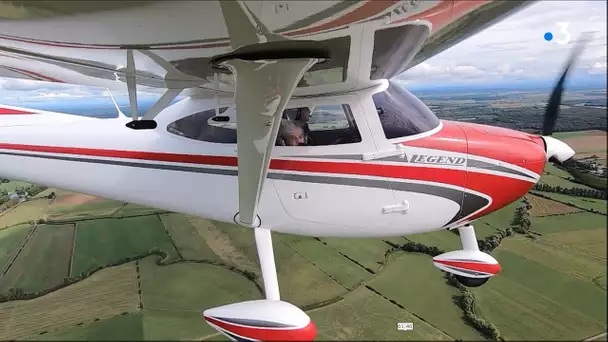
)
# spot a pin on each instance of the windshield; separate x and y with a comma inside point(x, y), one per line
point(401, 113)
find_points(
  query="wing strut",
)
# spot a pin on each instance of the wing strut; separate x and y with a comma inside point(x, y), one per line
point(174, 88)
point(266, 67)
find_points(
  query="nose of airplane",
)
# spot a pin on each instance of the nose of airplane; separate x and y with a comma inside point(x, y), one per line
point(503, 164)
point(514, 147)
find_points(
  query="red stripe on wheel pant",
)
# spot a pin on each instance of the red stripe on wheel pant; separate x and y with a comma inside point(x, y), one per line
point(473, 266)
point(306, 333)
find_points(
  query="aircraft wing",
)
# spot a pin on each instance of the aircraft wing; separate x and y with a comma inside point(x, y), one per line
point(169, 44)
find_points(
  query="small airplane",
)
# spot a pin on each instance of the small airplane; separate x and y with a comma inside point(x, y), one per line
point(291, 122)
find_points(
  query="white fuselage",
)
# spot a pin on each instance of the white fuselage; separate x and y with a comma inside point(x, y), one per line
point(351, 190)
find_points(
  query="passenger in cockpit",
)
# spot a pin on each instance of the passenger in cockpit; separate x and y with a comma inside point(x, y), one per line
point(291, 134)
point(294, 129)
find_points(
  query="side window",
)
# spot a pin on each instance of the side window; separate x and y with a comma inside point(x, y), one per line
point(318, 126)
point(196, 126)
point(402, 114)
point(303, 126)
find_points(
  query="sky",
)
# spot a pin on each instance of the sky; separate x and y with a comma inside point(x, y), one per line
point(513, 51)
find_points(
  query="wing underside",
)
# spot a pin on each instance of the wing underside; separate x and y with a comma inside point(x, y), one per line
point(58, 41)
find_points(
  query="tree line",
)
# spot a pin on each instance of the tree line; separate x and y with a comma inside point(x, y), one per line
point(575, 191)
point(521, 118)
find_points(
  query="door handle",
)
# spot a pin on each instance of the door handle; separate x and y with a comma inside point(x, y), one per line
point(402, 207)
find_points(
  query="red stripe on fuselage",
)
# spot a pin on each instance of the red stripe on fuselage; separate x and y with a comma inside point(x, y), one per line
point(306, 333)
point(10, 111)
point(448, 176)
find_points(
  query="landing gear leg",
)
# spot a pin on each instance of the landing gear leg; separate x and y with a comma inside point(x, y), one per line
point(470, 266)
point(468, 238)
point(263, 241)
point(469, 243)
point(269, 319)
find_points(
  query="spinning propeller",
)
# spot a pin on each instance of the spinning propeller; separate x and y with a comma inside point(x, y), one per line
point(556, 149)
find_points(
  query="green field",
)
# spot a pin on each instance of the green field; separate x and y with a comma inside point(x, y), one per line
point(24, 212)
point(161, 325)
point(329, 261)
point(551, 287)
point(554, 170)
point(67, 212)
point(192, 286)
point(542, 306)
point(58, 192)
point(12, 185)
point(43, 262)
point(190, 243)
point(394, 283)
point(522, 314)
point(589, 300)
point(571, 222)
point(118, 328)
point(592, 242)
point(367, 252)
point(364, 315)
point(563, 135)
point(105, 241)
point(104, 295)
point(562, 256)
point(129, 210)
point(10, 241)
point(582, 202)
point(301, 282)
point(500, 219)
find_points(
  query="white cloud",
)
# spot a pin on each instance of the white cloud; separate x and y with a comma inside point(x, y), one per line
point(598, 68)
point(55, 95)
point(515, 48)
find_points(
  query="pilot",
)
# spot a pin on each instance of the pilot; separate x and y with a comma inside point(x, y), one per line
point(294, 128)
point(291, 133)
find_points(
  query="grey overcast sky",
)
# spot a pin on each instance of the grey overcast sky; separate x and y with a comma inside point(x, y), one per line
point(513, 49)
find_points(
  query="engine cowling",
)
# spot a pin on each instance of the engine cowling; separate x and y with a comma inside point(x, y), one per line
point(468, 264)
point(261, 320)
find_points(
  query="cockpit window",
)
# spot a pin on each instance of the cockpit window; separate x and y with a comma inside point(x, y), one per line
point(300, 126)
point(401, 113)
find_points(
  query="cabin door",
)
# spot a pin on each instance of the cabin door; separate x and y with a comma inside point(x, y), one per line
point(327, 171)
